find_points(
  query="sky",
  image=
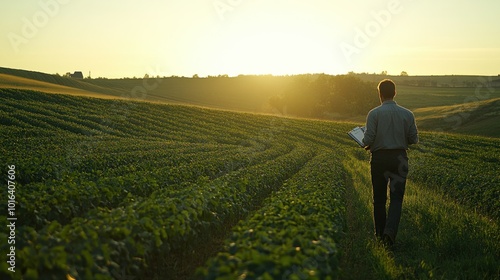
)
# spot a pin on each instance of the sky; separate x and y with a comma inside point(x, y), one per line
point(128, 38)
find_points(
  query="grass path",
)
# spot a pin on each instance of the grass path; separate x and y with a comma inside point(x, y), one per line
point(437, 239)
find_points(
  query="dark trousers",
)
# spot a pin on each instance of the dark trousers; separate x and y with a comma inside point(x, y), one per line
point(388, 168)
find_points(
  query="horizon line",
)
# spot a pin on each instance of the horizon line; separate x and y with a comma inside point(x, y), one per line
point(225, 75)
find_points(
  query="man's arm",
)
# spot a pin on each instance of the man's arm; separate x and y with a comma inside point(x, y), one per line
point(413, 132)
point(371, 129)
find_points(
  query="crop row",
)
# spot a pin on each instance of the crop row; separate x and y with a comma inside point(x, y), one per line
point(465, 168)
point(295, 234)
point(107, 241)
point(29, 113)
point(103, 184)
point(34, 111)
point(91, 157)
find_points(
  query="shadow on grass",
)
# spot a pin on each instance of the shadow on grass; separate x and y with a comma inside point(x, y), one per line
point(360, 259)
point(438, 238)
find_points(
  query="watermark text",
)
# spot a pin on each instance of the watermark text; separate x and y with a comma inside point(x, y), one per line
point(11, 217)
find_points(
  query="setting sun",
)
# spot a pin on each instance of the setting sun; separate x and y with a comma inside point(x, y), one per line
point(271, 52)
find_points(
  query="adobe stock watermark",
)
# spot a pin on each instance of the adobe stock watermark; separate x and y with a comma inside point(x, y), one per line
point(482, 92)
point(11, 217)
point(363, 36)
point(225, 6)
point(32, 25)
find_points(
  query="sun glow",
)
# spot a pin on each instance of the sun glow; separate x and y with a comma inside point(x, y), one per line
point(250, 37)
point(271, 52)
point(271, 43)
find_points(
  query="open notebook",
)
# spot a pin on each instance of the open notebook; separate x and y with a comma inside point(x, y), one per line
point(357, 134)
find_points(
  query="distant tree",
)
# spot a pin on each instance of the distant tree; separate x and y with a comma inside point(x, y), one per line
point(299, 98)
point(317, 95)
point(352, 96)
point(404, 74)
point(383, 73)
point(195, 76)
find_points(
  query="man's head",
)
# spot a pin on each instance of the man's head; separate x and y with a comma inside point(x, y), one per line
point(386, 90)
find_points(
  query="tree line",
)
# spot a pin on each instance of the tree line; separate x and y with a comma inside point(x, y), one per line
point(326, 96)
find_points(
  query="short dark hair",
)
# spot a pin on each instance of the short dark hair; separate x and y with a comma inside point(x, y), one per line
point(387, 89)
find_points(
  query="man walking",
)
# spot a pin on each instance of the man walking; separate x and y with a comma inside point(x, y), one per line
point(390, 128)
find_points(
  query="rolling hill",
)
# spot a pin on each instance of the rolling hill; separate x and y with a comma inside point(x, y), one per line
point(480, 118)
point(51, 83)
point(12, 81)
point(245, 93)
point(466, 110)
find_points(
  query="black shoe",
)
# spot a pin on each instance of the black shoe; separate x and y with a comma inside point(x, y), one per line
point(387, 241)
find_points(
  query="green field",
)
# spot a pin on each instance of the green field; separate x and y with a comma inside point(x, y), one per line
point(472, 111)
point(125, 189)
